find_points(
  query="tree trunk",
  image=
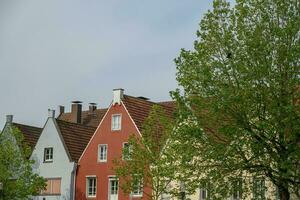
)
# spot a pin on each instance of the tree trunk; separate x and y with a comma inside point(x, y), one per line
point(284, 193)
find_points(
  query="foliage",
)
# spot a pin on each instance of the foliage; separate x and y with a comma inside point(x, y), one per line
point(19, 182)
point(149, 163)
point(239, 109)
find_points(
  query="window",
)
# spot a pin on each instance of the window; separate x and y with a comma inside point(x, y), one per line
point(138, 189)
point(237, 189)
point(113, 188)
point(91, 186)
point(48, 154)
point(127, 151)
point(203, 193)
point(116, 122)
point(258, 189)
point(102, 152)
point(53, 186)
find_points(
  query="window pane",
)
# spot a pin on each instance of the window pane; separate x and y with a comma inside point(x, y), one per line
point(91, 186)
point(116, 122)
point(48, 188)
point(56, 186)
point(102, 152)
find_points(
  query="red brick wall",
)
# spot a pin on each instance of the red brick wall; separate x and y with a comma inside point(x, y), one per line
point(88, 165)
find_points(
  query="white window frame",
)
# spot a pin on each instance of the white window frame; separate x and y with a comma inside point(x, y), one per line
point(113, 128)
point(50, 154)
point(140, 190)
point(112, 177)
point(201, 190)
point(88, 186)
point(99, 152)
point(129, 151)
point(238, 189)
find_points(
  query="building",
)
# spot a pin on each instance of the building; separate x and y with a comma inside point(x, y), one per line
point(95, 175)
point(31, 134)
point(56, 153)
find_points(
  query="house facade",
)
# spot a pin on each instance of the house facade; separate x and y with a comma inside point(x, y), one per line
point(56, 154)
point(96, 178)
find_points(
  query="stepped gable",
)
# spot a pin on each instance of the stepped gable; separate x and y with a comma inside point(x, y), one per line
point(31, 133)
point(76, 137)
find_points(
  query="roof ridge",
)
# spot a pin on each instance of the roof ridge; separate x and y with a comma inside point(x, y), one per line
point(14, 123)
point(142, 100)
point(72, 123)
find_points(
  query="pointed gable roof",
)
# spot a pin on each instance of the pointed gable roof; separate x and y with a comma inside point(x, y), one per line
point(31, 133)
point(139, 108)
point(75, 136)
point(88, 118)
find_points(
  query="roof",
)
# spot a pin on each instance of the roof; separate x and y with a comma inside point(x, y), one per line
point(76, 137)
point(139, 109)
point(88, 118)
point(31, 133)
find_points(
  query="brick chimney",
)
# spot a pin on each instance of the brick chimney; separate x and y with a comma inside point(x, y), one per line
point(76, 111)
point(92, 107)
point(61, 110)
point(9, 119)
point(118, 95)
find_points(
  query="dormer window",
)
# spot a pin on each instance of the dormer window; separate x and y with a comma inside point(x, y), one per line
point(48, 154)
point(116, 122)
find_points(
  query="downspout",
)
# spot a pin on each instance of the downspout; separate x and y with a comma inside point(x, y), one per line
point(74, 172)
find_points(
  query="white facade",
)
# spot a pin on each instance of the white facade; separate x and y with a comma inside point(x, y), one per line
point(61, 166)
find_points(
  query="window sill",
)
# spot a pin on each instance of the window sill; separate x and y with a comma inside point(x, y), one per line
point(49, 194)
point(137, 195)
point(48, 161)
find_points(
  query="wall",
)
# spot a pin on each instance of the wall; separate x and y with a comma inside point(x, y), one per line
point(88, 165)
point(61, 165)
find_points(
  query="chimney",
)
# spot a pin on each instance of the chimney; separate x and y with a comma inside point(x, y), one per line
point(9, 118)
point(118, 95)
point(92, 107)
point(61, 110)
point(51, 113)
point(76, 111)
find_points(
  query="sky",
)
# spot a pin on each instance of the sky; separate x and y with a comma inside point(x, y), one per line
point(55, 51)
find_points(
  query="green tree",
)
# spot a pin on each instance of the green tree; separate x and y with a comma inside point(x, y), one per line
point(16, 175)
point(239, 108)
point(148, 162)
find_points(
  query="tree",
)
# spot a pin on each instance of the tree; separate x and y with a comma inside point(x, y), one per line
point(147, 162)
point(17, 178)
point(239, 109)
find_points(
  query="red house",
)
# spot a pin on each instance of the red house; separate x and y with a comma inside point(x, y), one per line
point(95, 178)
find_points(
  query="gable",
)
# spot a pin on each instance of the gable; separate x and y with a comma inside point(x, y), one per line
point(51, 137)
point(114, 139)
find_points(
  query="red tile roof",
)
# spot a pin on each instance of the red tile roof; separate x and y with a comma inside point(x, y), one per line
point(88, 118)
point(31, 134)
point(139, 109)
point(75, 136)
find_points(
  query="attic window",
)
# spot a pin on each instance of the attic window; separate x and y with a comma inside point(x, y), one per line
point(48, 154)
point(116, 122)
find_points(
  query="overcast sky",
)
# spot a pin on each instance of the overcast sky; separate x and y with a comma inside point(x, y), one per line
point(56, 51)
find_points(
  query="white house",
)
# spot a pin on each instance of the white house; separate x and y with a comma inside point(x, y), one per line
point(56, 153)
